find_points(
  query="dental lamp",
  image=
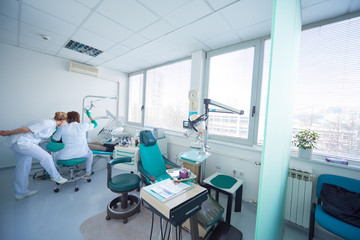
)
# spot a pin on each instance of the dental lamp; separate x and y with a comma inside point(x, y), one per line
point(200, 123)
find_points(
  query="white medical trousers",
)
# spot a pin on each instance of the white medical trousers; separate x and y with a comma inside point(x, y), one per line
point(89, 159)
point(23, 166)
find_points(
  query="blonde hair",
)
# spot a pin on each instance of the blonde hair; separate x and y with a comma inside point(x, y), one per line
point(60, 116)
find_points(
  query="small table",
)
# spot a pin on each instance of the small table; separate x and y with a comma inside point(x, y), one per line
point(196, 158)
point(179, 208)
point(236, 187)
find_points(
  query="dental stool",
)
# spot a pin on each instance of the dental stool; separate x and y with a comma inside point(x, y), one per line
point(122, 183)
point(73, 174)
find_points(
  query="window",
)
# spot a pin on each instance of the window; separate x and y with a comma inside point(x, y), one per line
point(230, 82)
point(167, 89)
point(328, 87)
point(135, 98)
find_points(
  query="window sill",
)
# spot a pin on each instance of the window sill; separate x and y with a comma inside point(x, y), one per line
point(318, 159)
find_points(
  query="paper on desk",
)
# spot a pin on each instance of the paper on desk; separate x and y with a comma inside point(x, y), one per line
point(168, 188)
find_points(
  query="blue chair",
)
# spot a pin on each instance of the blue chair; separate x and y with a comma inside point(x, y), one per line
point(68, 168)
point(327, 221)
point(152, 164)
point(122, 183)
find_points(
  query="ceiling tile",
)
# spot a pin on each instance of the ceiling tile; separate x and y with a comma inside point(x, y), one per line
point(93, 40)
point(247, 12)
point(8, 37)
point(89, 3)
point(68, 10)
point(163, 7)
point(8, 23)
point(255, 31)
point(182, 41)
point(9, 8)
point(73, 55)
point(118, 49)
point(37, 33)
point(156, 30)
point(134, 41)
point(46, 21)
point(188, 13)
point(128, 13)
point(208, 27)
point(106, 28)
point(38, 45)
point(216, 4)
point(223, 40)
point(316, 12)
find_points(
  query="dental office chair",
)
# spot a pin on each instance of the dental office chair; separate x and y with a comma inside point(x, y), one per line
point(122, 183)
point(152, 164)
point(347, 193)
point(68, 168)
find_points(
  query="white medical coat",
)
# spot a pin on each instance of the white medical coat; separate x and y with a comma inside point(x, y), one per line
point(73, 135)
point(40, 129)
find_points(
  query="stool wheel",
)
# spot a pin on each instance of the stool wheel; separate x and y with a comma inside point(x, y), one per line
point(131, 202)
point(125, 220)
point(115, 206)
point(56, 190)
point(76, 189)
point(108, 217)
point(88, 180)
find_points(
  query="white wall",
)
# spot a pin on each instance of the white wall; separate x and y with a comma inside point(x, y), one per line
point(35, 86)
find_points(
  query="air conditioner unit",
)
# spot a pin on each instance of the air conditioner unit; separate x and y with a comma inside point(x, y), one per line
point(83, 68)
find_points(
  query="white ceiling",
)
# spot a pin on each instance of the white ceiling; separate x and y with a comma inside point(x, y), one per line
point(136, 34)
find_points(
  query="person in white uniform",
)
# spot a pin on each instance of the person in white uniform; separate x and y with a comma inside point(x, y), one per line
point(73, 135)
point(24, 142)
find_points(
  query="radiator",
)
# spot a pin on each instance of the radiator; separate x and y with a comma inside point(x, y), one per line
point(298, 197)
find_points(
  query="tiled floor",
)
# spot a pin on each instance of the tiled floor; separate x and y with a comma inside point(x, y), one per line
point(49, 215)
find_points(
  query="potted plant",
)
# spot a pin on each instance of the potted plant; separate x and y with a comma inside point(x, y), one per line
point(306, 140)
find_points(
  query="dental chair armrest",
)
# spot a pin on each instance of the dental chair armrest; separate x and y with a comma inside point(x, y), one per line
point(144, 173)
point(113, 162)
point(170, 163)
point(120, 160)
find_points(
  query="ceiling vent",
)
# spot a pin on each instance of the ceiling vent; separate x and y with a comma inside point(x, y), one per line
point(83, 48)
point(83, 68)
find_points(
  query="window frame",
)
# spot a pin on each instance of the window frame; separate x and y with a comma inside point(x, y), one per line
point(144, 72)
point(255, 85)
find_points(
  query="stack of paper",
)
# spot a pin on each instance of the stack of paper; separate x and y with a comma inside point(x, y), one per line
point(164, 190)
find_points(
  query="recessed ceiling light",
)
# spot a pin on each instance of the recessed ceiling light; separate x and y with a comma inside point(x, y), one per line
point(45, 37)
point(82, 48)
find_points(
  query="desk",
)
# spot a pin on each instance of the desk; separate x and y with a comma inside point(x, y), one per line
point(196, 159)
point(176, 210)
point(237, 188)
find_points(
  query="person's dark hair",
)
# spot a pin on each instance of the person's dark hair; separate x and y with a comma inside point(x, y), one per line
point(73, 117)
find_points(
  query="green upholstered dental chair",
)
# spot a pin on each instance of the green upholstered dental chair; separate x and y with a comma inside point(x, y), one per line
point(152, 164)
point(69, 168)
point(122, 183)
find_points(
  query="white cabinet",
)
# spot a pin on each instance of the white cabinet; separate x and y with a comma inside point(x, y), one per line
point(162, 143)
point(123, 151)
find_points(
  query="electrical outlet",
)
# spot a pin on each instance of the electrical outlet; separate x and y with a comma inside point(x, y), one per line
point(241, 173)
point(218, 167)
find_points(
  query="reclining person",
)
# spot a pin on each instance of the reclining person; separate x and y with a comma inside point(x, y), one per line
point(73, 135)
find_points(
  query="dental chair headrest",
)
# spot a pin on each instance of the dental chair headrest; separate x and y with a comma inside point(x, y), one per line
point(147, 138)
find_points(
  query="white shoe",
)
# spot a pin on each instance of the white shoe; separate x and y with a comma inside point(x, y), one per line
point(30, 193)
point(60, 180)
